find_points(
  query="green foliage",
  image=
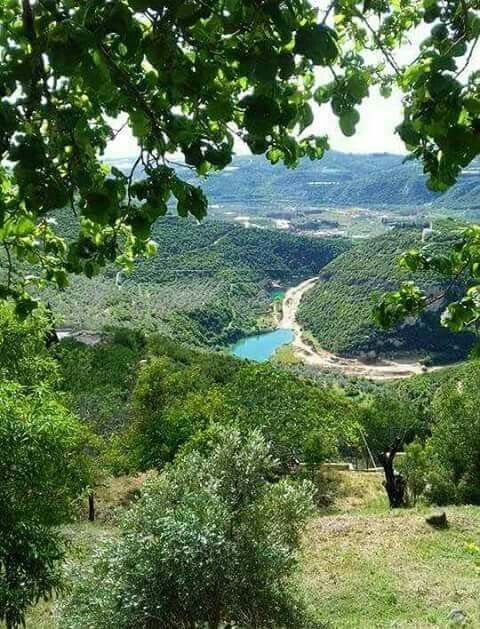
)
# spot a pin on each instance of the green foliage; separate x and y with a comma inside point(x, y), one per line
point(460, 265)
point(413, 467)
point(96, 381)
point(443, 463)
point(98, 61)
point(454, 444)
point(208, 286)
point(23, 355)
point(338, 310)
point(386, 417)
point(177, 403)
point(69, 69)
point(44, 465)
point(43, 468)
point(210, 541)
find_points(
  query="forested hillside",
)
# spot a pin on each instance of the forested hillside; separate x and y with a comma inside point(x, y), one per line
point(152, 402)
point(208, 283)
point(338, 179)
point(338, 310)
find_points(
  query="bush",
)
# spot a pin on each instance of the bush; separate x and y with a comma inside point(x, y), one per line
point(43, 469)
point(211, 541)
point(413, 467)
point(23, 354)
point(440, 489)
point(454, 446)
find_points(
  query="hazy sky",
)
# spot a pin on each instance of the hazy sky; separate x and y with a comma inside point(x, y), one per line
point(378, 116)
point(375, 131)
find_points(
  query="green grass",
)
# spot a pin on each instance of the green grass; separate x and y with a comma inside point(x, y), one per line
point(362, 566)
point(368, 567)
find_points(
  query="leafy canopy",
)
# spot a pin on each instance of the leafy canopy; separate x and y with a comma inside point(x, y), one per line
point(44, 468)
point(186, 76)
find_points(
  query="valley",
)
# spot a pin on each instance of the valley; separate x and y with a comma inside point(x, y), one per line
point(313, 355)
point(235, 332)
point(239, 368)
point(342, 219)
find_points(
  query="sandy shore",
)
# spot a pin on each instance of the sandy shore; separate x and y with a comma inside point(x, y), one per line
point(379, 370)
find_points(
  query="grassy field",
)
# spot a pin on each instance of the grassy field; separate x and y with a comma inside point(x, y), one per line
point(362, 566)
point(367, 567)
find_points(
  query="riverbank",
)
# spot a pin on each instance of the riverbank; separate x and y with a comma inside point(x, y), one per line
point(322, 359)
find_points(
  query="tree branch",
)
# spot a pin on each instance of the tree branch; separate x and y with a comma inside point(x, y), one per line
point(377, 40)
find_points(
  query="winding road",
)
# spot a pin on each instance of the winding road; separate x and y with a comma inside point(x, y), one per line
point(379, 370)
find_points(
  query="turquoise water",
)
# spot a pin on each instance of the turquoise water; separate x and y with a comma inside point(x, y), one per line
point(261, 347)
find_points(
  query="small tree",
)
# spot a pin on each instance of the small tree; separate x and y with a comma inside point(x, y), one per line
point(42, 469)
point(23, 354)
point(389, 422)
point(211, 542)
point(454, 447)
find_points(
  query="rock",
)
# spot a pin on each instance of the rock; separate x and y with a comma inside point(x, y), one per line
point(437, 520)
point(456, 615)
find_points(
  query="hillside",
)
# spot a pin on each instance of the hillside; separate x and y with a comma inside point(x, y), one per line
point(338, 310)
point(383, 180)
point(208, 283)
point(361, 565)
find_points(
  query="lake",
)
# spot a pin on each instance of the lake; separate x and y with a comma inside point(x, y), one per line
point(261, 347)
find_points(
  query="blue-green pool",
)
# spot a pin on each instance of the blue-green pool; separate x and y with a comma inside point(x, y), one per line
point(261, 347)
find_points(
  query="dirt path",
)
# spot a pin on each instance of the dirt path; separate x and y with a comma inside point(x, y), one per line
point(379, 370)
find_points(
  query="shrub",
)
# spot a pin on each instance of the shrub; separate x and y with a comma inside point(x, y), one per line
point(440, 488)
point(43, 469)
point(23, 354)
point(413, 467)
point(454, 446)
point(210, 541)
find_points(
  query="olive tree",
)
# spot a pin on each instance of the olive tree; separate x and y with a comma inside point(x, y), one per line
point(389, 422)
point(211, 542)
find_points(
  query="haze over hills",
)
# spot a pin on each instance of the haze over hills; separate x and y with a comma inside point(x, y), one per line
point(338, 179)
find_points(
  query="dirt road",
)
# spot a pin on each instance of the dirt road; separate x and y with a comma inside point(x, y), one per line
point(379, 370)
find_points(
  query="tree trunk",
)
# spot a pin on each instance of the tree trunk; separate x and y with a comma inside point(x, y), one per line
point(394, 482)
point(91, 507)
point(51, 336)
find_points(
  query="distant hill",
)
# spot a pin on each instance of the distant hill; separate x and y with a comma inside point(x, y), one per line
point(339, 179)
point(208, 284)
point(338, 310)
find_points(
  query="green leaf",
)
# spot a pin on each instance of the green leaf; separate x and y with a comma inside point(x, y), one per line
point(317, 42)
point(25, 306)
point(24, 227)
point(262, 113)
point(357, 87)
point(140, 124)
point(348, 122)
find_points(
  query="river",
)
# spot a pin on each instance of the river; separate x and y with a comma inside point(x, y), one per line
point(262, 347)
